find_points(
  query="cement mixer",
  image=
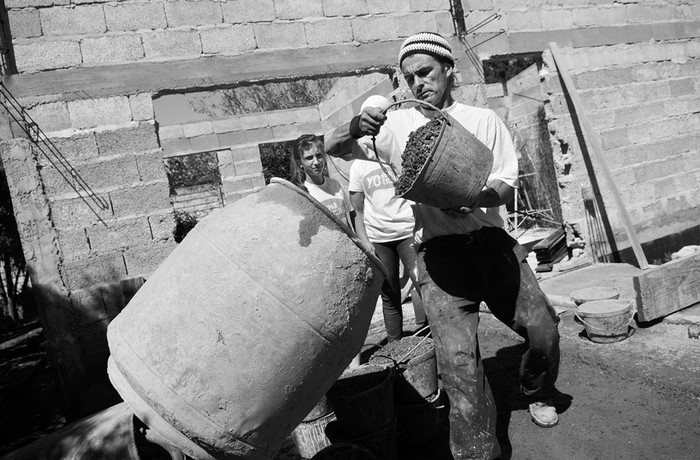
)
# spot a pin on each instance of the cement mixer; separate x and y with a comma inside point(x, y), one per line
point(246, 325)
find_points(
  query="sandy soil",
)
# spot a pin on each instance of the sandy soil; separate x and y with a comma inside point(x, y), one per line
point(636, 399)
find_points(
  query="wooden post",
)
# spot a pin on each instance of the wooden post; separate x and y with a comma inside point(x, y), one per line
point(597, 149)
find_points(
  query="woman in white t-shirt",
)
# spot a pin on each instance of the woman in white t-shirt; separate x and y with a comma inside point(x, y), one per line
point(386, 222)
point(308, 170)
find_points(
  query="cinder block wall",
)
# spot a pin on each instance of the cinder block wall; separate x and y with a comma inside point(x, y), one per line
point(636, 66)
point(59, 34)
point(88, 72)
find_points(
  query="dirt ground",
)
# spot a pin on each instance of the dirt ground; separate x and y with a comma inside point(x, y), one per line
point(635, 399)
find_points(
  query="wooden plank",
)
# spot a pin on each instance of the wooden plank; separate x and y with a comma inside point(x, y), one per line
point(597, 149)
point(667, 288)
point(551, 240)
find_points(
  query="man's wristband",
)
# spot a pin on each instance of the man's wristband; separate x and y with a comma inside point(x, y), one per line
point(355, 127)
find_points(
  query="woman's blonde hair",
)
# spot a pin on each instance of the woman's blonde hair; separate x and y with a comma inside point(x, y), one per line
point(301, 145)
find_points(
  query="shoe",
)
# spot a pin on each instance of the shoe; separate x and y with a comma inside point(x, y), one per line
point(543, 414)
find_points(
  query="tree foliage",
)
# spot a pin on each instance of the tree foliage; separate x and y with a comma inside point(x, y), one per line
point(13, 278)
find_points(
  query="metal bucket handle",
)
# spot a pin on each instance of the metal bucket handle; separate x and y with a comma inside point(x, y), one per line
point(374, 144)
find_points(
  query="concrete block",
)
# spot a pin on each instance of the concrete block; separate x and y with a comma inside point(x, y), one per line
point(170, 133)
point(328, 31)
point(524, 42)
point(112, 172)
point(25, 23)
point(259, 135)
point(637, 33)
point(475, 18)
point(193, 13)
point(53, 116)
point(374, 28)
point(135, 16)
point(91, 113)
point(294, 9)
point(203, 143)
point(111, 49)
point(34, 3)
point(228, 40)
point(555, 18)
point(141, 107)
point(73, 242)
point(649, 12)
point(238, 185)
point(127, 140)
point(599, 36)
point(246, 154)
point(162, 226)
point(253, 121)
point(384, 6)
point(75, 213)
point(429, 5)
point(227, 125)
point(47, 55)
point(172, 43)
point(119, 234)
point(80, 146)
point(287, 117)
point(78, 20)
point(240, 11)
point(294, 131)
point(409, 24)
point(145, 259)
point(614, 138)
point(280, 35)
point(175, 147)
point(343, 8)
point(150, 166)
point(142, 199)
point(81, 273)
point(608, 15)
point(224, 157)
point(233, 138)
point(248, 167)
point(444, 23)
point(682, 87)
point(199, 128)
point(523, 20)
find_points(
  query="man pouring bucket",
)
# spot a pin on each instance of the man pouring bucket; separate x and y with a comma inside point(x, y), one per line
point(464, 255)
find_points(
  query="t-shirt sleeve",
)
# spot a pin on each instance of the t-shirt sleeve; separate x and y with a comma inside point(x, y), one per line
point(505, 160)
point(355, 181)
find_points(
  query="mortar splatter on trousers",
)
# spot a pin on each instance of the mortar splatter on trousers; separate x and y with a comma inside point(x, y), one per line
point(455, 274)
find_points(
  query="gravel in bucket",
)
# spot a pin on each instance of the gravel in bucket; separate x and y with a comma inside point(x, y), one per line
point(419, 146)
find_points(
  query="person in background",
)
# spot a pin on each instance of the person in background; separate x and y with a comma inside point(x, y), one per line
point(308, 171)
point(464, 255)
point(385, 222)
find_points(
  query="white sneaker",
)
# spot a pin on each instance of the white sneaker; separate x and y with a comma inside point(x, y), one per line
point(543, 414)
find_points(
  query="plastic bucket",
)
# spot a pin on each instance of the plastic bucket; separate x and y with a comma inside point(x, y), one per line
point(255, 314)
point(420, 423)
point(416, 378)
point(363, 398)
point(589, 294)
point(310, 436)
point(456, 169)
point(381, 441)
point(606, 321)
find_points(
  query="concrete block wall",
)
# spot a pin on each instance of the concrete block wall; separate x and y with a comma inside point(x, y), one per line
point(58, 34)
point(636, 66)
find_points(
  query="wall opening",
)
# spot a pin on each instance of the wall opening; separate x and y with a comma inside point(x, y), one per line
point(513, 88)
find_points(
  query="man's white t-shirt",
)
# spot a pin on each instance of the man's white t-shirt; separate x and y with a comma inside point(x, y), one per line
point(332, 195)
point(387, 216)
point(482, 123)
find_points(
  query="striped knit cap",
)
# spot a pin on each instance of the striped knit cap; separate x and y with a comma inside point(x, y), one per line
point(426, 43)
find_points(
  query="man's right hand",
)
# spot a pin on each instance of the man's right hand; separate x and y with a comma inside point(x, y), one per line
point(367, 123)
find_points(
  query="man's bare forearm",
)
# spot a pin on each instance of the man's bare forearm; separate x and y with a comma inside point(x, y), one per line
point(339, 141)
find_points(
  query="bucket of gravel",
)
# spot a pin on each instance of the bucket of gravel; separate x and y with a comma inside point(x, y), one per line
point(443, 164)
